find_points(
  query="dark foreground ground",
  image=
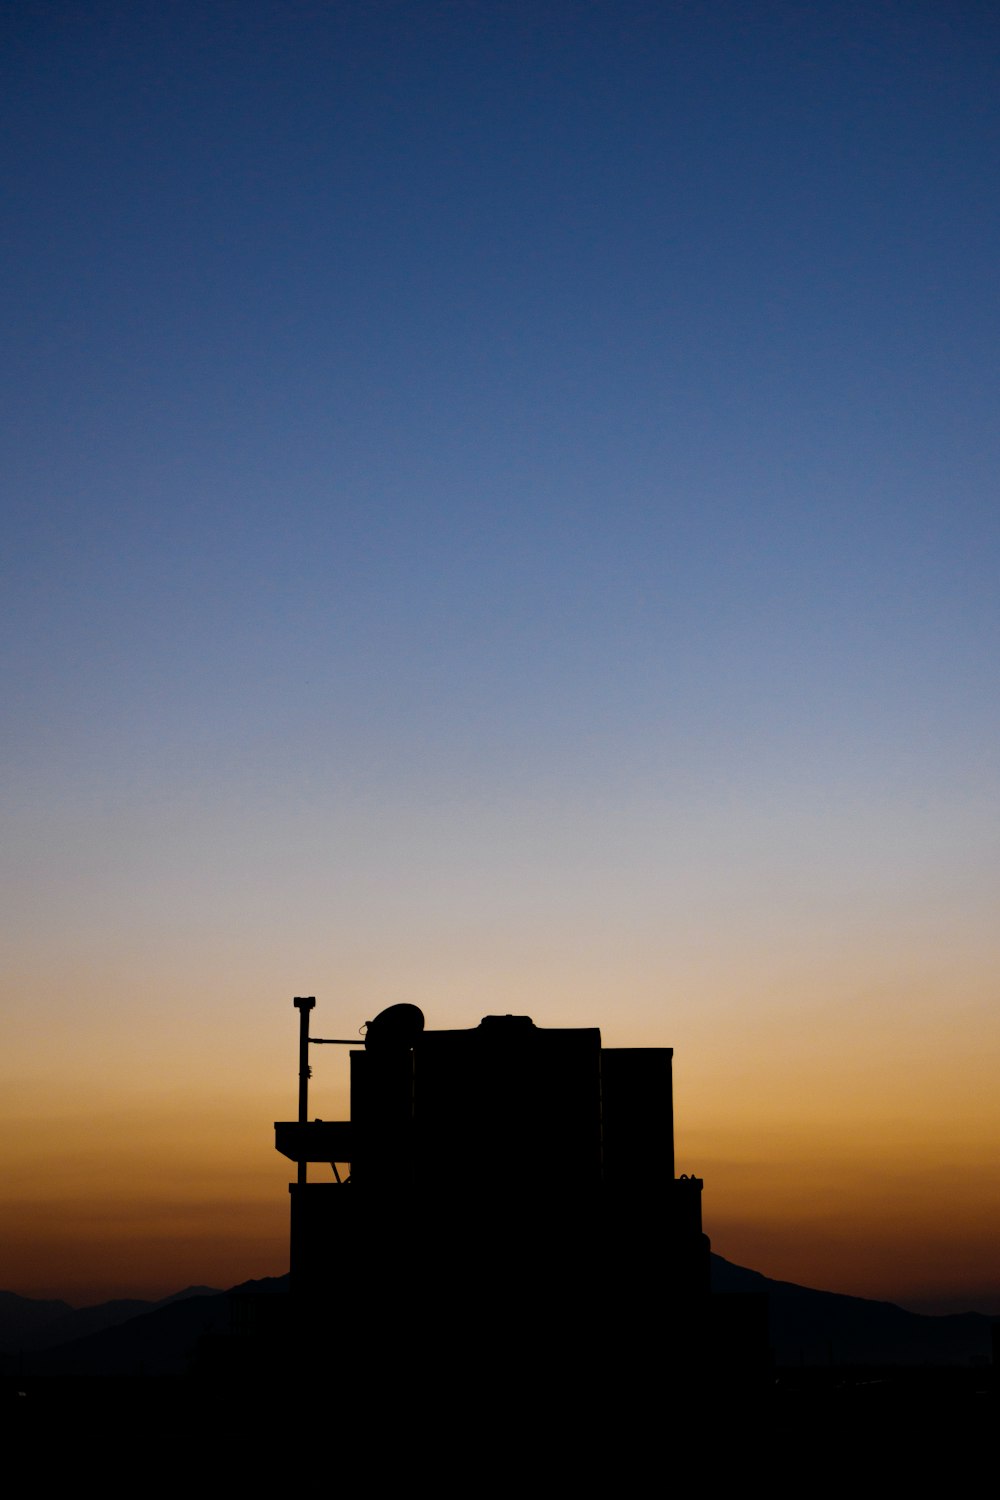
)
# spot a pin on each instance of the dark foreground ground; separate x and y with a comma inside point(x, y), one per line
point(860, 1433)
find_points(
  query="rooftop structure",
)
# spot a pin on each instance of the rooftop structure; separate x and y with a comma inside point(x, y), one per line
point(497, 1192)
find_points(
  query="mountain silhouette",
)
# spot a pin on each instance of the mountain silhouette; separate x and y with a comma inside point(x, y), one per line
point(806, 1327)
point(27, 1324)
point(809, 1327)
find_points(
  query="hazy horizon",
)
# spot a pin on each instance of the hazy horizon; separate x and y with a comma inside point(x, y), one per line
point(986, 1303)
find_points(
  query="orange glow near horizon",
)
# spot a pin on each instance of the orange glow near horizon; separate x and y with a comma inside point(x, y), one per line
point(882, 1187)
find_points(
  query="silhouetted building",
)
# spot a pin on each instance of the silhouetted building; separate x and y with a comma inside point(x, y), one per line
point(511, 1206)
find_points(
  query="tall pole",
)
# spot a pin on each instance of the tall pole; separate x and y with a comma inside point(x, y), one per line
point(303, 1004)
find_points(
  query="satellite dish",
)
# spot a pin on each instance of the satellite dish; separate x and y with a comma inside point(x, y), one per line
point(395, 1029)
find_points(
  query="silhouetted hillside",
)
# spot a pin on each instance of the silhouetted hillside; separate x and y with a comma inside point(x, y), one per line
point(807, 1327)
point(29, 1325)
point(23, 1320)
point(823, 1328)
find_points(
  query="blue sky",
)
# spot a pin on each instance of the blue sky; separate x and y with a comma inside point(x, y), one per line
point(509, 487)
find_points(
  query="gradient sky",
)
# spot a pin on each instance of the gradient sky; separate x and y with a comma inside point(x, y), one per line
point(500, 513)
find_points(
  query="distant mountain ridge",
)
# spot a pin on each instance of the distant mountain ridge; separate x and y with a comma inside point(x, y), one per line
point(23, 1320)
point(827, 1328)
point(29, 1324)
point(806, 1327)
